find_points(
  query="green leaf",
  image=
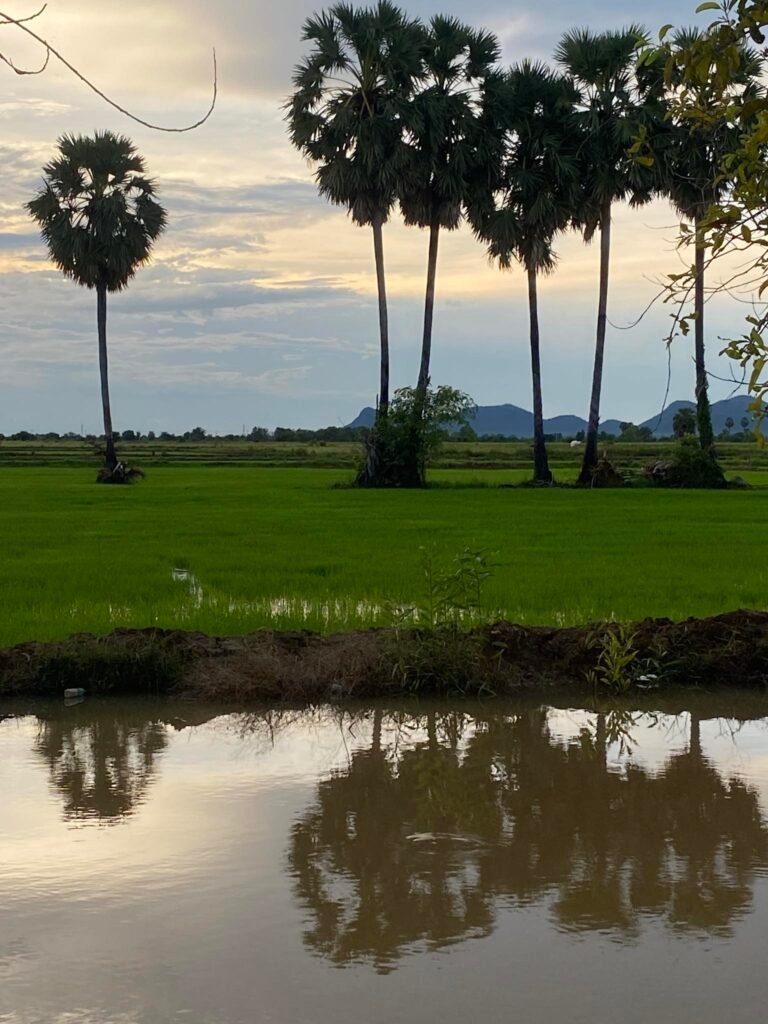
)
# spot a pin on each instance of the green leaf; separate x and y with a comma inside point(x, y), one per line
point(664, 30)
point(710, 5)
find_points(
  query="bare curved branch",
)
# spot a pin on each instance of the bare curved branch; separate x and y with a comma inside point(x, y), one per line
point(20, 23)
point(26, 71)
point(29, 17)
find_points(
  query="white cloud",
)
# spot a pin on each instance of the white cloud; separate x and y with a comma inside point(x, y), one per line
point(255, 271)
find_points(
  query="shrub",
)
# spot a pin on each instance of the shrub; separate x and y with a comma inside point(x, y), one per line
point(689, 466)
point(405, 440)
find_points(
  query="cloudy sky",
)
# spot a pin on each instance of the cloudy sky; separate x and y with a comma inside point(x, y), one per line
point(260, 306)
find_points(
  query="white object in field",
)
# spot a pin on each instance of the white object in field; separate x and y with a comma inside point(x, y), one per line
point(73, 694)
point(576, 444)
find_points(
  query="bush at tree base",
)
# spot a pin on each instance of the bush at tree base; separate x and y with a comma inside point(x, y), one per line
point(401, 445)
point(119, 474)
point(689, 466)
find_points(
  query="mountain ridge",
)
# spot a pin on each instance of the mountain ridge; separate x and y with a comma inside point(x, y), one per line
point(513, 421)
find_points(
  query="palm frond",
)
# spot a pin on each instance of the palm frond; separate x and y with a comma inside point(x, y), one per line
point(97, 210)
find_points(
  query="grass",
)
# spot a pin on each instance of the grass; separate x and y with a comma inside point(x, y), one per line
point(481, 455)
point(281, 547)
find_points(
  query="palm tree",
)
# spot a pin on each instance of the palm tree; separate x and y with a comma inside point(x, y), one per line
point(693, 154)
point(611, 111)
point(100, 218)
point(532, 197)
point(445, 139)
point(346, 116)
point(684, 423)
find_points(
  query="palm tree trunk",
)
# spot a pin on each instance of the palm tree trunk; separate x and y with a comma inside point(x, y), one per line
point(541, 471)
point(101, 316)
point(703, 411)
point(429, 310)
point(694, 744)
point(593, 427)
point(378, 248)
point(378, 720)
point(413, 473)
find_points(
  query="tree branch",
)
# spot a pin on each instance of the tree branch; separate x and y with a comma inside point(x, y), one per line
point(21, 23)
point(8, 61)
point(25, 71)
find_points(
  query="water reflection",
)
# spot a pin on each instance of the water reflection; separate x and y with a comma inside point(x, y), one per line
point(420, 842)
point(102, 757)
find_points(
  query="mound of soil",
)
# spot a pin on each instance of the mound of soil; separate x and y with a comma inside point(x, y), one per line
point(728, 650)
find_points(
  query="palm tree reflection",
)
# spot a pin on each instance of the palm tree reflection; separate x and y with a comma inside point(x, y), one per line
point(102, 759)
point(419, 846)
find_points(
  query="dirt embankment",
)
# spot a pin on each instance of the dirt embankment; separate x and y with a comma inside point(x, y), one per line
point(728, 650)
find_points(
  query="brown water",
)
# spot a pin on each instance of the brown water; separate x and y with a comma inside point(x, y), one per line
point(493, 863)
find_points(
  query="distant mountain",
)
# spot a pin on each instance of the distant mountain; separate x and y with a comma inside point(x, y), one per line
point(509, 420)
point(506, 420)
point(730, 408)
point(512, 421)
point(366, 418)
point(662, 425)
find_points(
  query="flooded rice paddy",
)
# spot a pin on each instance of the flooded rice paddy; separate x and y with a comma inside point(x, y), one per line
point(489, 862)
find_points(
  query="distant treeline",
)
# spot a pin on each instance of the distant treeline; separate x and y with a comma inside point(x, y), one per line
point(630, 433)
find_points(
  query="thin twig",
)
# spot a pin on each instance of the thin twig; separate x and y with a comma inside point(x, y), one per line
point(20, 21)
point(6, 19)
point(25, 71)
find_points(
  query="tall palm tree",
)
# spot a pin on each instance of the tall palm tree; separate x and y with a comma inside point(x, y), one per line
point(445, 138)
point(693, 152)
point(99, 217)
point(346, 116)
point(611, 110)
point(518, 210)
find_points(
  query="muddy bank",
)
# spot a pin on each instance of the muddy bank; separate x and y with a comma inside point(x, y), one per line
point(726, 651)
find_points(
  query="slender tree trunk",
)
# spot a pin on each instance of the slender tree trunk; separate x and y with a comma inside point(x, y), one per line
point(703, 411)
point(378, 248)
point(378, 720)
point(694, 744)
point(414, 462)
point(590, 452)
point(429, 310)
point(541, 471)
point(374, 472)
point(101, 316)
point(601, 739)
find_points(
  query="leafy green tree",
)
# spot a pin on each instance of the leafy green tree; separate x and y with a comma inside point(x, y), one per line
point(614, 107)
point(445, 139)
point(405, 449)
point(99, 217)
point(259, 434)
point(684, 423)
point(466, 434)
point(693, 151)
point(346, 116)
point(631, 433)
point(705, 71)
point(529, 195)
point(729, 424)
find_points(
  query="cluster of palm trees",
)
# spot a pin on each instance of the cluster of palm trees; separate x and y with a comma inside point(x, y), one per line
point(395, 113)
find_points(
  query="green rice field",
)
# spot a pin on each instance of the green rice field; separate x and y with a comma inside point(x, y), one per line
point(509, 455)
point(231, 549)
